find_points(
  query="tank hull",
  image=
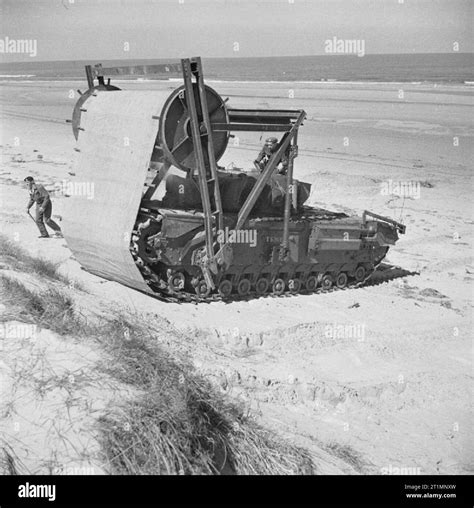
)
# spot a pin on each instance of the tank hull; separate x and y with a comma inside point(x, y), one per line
point(326, 249)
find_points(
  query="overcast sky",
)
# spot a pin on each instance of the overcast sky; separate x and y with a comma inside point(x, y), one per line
point(100, 29)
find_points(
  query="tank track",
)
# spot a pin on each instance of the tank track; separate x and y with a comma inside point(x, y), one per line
point(163, 292)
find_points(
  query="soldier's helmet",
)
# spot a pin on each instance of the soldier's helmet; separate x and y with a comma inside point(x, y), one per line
point(271, 141)
point(271, 145)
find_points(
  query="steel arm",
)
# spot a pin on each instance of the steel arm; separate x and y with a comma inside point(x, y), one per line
point(267, 172)
point(223, 256)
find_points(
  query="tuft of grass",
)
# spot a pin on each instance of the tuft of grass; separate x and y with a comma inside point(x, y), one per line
point(10, 463)
point(347, 454)
point(19, 259)
point(426, 184)
point(182, 425)
point(45, 268)
point(50, 309)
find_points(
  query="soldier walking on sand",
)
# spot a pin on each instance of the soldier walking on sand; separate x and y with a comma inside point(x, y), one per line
point(44, 208)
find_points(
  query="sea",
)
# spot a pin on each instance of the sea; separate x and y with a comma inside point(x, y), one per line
point(455, 68)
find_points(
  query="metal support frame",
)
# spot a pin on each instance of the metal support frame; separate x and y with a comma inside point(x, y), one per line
point(400, 227)
point(264, 178)
point(208, 129)
point(201, 131)
point(136, 70)
point(98, 72)
point(268, 171)
point(90, 77)
point(288, 198)
point(160, 175)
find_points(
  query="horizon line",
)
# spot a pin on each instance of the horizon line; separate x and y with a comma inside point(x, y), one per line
point(237, 57)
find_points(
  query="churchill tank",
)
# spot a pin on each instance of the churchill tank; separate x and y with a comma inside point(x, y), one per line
point(168, 220)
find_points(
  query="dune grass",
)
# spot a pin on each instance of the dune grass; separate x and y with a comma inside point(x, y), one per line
point(179, 423)
point(18, 259)
point(183, 425)
point(10, 463)
point(347, 454)
point(50, 309)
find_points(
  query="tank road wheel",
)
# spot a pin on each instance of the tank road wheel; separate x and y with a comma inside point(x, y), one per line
point(359, 274)
point(261, 287)
point(278, 287)
point(341, 280)
point(176, 281)
point(311, 283)
point(225, 288)
point(326, 282)
point(243, 287)
point(202, 289)
point(294, 285)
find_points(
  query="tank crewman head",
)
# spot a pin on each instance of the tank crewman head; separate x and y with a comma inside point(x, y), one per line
point(271, 145)
point(268, 149)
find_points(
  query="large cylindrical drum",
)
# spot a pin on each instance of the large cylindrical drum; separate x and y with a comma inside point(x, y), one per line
point(174, 142)
point(175, 136)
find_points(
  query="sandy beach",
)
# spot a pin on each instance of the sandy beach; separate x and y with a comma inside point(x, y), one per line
point(370, 380)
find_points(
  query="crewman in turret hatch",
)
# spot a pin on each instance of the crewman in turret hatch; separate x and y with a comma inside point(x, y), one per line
point(269, 148)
